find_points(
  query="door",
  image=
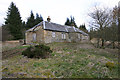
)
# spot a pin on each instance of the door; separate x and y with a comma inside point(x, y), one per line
point(34, 36)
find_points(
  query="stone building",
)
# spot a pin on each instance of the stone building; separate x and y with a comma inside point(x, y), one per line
point(48, 32)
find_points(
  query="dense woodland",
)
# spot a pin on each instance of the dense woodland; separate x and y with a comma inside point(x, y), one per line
point(104, 23)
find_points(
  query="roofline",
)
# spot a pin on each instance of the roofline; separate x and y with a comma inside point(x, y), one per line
point(84, 33)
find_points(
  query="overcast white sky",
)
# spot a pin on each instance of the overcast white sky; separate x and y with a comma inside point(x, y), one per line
point(58, 10)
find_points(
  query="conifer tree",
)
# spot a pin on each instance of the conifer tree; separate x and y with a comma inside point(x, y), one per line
point(83, 27)
point(67, 22)
point(71, 22)
point(14, 22)
point(38, 19)
point(30, 21)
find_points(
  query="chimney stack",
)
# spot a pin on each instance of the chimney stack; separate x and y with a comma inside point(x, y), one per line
point(48, 19)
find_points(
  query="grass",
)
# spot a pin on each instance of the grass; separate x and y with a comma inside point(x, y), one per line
point(67, 61)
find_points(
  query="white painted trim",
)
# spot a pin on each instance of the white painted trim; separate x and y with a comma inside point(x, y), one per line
point(74, 28)
point(44, 24)
point(66, 29)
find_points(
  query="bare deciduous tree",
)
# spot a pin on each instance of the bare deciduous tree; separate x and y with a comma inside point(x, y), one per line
point(100, 19)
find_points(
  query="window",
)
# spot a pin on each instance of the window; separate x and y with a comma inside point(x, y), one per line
point(53, 34)
point(63, 36)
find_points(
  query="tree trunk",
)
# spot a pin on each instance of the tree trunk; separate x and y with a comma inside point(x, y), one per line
point(102, 43)
point(113, 45)
point(98, 42)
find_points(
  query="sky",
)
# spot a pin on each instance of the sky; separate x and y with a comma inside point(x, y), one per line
point(58, 10)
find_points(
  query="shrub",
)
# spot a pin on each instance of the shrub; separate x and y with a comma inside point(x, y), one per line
point(110, 65)
point(38, 51)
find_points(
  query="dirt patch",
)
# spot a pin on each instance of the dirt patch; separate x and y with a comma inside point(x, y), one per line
point(11, 53)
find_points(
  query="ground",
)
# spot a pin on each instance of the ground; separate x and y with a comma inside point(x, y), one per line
point(68, 60)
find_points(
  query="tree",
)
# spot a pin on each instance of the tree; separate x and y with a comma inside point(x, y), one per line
point(71, 22)
point(30, 21)
point(14, 22)
point(82, 27)
point(67, 22)
point(38, 19)
point(119, 23)
point(109, 33)
point(101, 18)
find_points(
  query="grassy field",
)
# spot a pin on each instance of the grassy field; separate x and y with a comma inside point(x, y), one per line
point(68, 60)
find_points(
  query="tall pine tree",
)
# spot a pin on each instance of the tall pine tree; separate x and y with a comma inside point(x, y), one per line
point(30, 21)
point(83, 27)
point(38, 19)
point(14, 22)
point(67, 22)
point(71, 22)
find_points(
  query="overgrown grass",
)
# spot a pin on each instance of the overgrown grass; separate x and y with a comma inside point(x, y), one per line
point(66, 61)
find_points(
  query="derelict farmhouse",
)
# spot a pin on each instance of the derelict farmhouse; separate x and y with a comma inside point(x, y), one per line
point(48, 32)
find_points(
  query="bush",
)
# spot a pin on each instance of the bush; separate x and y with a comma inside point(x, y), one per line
point(110, 65)
point(38, 51)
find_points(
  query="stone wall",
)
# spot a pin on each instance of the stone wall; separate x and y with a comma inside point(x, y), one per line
point(48, 36)
point(29, 37)
point(40, 35)
point(75, 37)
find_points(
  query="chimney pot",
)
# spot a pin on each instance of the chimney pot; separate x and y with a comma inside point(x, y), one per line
point(48, 19)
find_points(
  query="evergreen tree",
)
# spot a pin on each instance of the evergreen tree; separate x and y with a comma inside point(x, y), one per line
point(82, 27)
point(41, 18)
point(38, 19)
point(71, 22)
point(30, 21)
point(14, 22)
point(67, 22)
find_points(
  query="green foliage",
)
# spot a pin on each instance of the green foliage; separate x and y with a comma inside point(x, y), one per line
point(71, 22)
point(38, 51)
point(38, 19)
point(30, 21)
point(83, 27)
point(67, 22)
point(14, 22)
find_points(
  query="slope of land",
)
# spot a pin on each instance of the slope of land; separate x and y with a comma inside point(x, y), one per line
point(68, 60)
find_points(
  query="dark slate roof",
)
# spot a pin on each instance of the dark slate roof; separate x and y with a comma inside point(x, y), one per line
point(57, 27)
point(54, 27)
